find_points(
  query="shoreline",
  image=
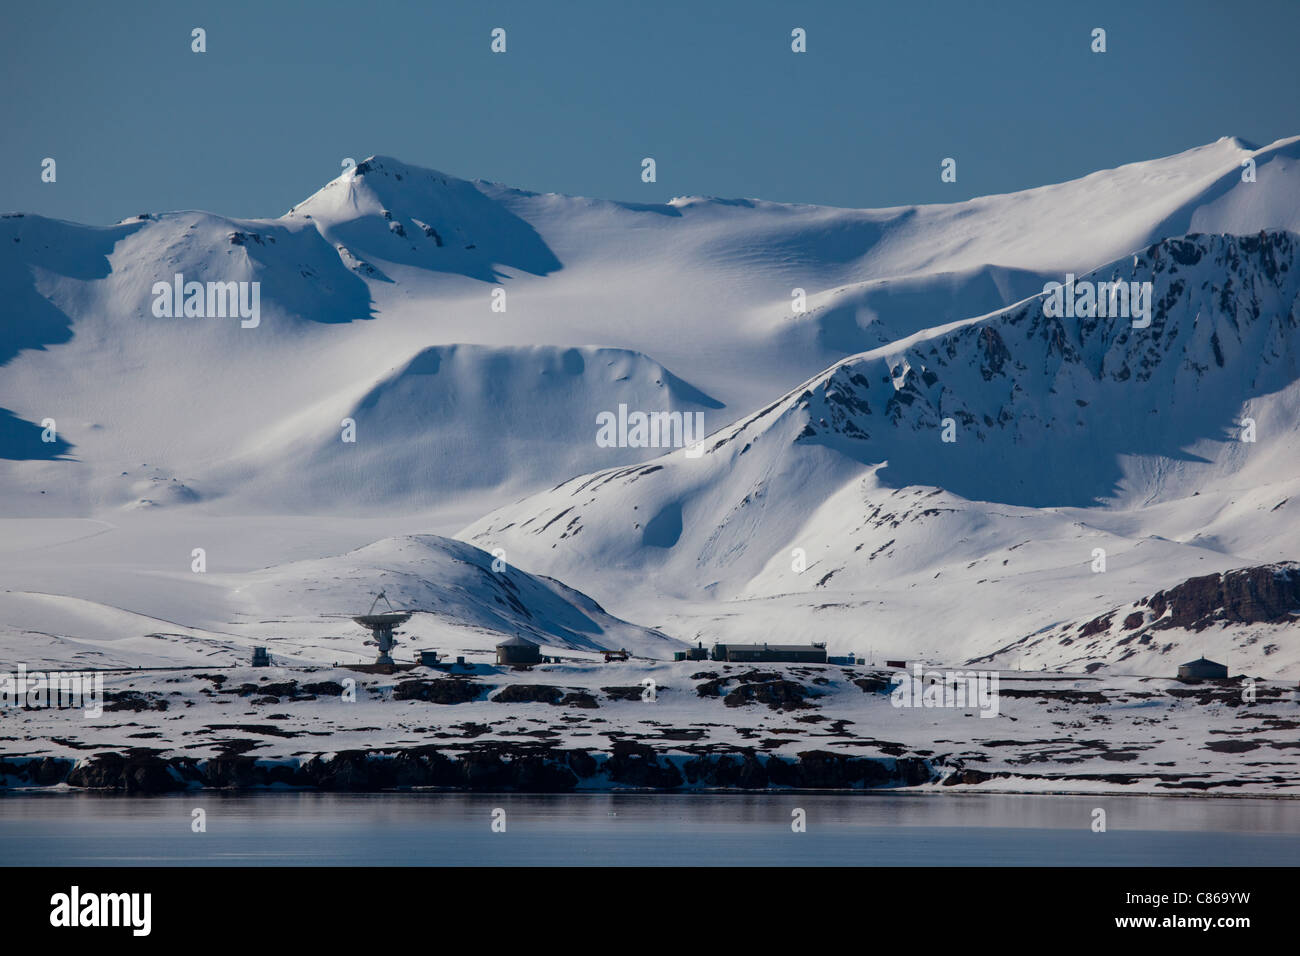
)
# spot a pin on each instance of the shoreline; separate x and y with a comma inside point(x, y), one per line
point(652, 727)
point(539, 771)
point(920, 792)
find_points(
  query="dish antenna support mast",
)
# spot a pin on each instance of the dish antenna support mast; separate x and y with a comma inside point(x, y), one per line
point(381, 626)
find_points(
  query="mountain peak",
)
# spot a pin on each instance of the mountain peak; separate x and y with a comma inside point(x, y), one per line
point(388, 166)
point(1243, 144)
point(383, 179)
point(394, 212)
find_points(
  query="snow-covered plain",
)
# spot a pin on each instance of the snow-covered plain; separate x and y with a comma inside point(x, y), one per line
point(469, 334)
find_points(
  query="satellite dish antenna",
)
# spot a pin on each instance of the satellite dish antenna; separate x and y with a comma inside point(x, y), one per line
point(381, 626)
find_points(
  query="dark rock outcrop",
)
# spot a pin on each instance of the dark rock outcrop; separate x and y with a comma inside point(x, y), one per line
point(634, 692)
point(873, 685)
point(529, 694)
point(822, 769)
point(1268, 594)
point(777, 694)
point(133, 701)
point(489, 766)
point(441, 691)
point(133, 772)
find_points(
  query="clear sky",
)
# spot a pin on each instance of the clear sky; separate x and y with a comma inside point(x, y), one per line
point(287, 88)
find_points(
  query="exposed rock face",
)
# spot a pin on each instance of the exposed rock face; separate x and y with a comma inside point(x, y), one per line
point(135, 772)
point(133, 701)
point(1266, 594)
point(1095, 626)
point(443, 691)
point(278, 689)
point(491, 766)
point(744, 771)
point(633, 692)
point(544, 694)
point(714, 686)
point(637, 765)
point(1061, 696)
point(873, 685)
point(529, 694)
point(820, 769)
point(967, 778)
point(777, 694)
point(44, 772)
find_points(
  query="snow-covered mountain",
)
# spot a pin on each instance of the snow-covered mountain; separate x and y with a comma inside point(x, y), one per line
point(1258, 608)
point(465, 599)
point(462, 598)
point(389, 260)
point(1056, 425)
point(456, 420)
point(470, 334)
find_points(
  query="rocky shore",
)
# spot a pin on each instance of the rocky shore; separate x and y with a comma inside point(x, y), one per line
point(488, 767)
point(578, 727)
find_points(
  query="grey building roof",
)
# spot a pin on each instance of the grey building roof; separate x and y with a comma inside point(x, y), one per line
point(775, 647)
point(517, 641)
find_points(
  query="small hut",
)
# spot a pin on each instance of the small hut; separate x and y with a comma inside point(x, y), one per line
point(1202, 669)
point(516, 650)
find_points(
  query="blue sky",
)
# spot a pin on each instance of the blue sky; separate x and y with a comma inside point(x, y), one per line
point(137, 122)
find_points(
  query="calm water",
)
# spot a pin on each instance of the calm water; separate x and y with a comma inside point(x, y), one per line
point(644, 829)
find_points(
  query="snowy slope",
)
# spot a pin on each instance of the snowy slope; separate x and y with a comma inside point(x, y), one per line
point(389, 260)
point(301, 610)
point(458, 419)
point(1246, 615)
point(377, 296)
point(454, 585)
point(255, 413)
point(1071, 434)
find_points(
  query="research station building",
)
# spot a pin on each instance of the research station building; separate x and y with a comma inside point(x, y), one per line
point(1202, 669)
point(770, 653)
point(517, 650)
